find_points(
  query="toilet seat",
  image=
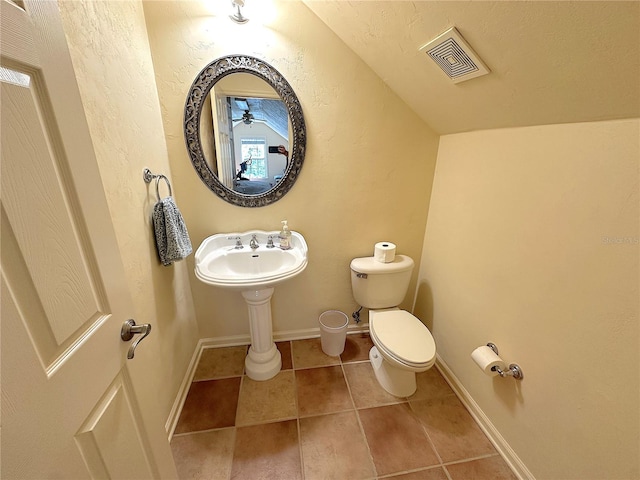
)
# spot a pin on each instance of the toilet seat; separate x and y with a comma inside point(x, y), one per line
point(403, 337)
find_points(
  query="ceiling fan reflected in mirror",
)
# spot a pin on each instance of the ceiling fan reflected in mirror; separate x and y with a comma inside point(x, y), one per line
point(247, 117)
point(250, 111)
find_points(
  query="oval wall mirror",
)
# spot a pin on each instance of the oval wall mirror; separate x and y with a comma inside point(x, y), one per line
point(244, 131)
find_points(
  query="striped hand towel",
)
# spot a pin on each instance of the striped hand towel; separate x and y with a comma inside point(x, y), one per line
point(172, 238)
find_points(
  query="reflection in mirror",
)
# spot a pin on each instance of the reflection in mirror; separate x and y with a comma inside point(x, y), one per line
point(245, 134)
point(245, 131)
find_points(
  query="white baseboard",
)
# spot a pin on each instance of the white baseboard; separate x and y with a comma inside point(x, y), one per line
point(176, 408)
point(498, 441)
point(233, 341)
point(283, 336)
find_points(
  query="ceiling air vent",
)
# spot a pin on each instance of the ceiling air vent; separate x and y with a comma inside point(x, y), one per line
point(455, 57)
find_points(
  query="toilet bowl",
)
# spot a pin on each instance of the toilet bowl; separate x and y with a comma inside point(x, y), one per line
point(403, 346)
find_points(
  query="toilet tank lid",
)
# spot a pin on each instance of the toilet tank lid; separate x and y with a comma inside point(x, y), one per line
point(369, 265)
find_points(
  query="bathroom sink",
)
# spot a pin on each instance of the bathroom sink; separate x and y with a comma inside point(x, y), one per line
point(221, 264)
point(227, 260)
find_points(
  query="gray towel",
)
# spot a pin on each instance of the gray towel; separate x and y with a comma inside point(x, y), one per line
point(172, 238)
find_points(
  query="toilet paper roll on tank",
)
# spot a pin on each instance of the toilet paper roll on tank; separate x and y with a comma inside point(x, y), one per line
point(384, 252)
point(487, 359)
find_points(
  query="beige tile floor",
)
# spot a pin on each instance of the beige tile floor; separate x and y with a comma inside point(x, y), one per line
point(325, 418)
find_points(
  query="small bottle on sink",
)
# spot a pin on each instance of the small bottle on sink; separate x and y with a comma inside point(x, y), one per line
point(285, 236)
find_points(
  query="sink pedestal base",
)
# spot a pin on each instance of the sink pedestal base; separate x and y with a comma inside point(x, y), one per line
point(263, 360)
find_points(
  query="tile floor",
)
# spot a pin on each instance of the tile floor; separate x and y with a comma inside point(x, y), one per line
point(325, 418)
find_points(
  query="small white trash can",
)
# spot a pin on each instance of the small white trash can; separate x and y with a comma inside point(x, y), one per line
point(333, 331)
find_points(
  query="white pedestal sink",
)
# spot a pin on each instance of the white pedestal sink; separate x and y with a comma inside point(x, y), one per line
point(229, 261)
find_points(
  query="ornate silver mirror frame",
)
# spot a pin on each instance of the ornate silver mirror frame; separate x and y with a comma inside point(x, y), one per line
point(199, 91)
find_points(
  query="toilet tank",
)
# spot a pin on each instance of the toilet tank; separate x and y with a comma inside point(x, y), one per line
point(380, 285)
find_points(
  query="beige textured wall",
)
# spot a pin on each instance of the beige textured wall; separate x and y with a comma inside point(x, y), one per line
point(110, 53)
point(532, 243)
point(367, 174)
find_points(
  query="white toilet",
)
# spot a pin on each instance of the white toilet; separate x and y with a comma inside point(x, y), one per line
point(403, 345)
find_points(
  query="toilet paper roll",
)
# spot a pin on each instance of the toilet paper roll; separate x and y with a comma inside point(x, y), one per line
point(384, 252)
point(486, 359)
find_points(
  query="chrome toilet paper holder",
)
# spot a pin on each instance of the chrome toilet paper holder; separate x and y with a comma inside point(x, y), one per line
point(514, 369)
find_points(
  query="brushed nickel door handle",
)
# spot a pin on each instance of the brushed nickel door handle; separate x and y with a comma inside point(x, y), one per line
point(129, 329)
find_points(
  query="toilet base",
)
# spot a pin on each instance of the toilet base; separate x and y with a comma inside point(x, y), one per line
point(398, 382)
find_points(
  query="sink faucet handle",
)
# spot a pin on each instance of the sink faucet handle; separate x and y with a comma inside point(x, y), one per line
point(238, 242)
point(270, 241)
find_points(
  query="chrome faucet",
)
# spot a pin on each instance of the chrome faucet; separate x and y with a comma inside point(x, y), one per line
point(270, 242)
point(254, 242)
point(238, 242)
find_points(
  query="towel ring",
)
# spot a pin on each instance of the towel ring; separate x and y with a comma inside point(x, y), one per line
point(158, 177)
point(147, 176)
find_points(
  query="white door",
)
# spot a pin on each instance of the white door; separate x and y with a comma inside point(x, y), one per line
point(68, 407)
point(224, 147)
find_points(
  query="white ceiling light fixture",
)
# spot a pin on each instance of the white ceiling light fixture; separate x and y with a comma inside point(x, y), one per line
point(237, 16)
point(455, 57)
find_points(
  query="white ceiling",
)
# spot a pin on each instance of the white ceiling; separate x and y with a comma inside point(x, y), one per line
point(551, 61)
